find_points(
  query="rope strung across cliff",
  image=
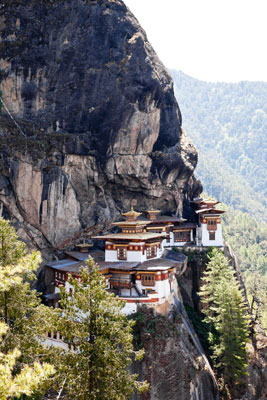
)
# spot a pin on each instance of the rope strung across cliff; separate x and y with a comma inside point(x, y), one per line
point(13, 119)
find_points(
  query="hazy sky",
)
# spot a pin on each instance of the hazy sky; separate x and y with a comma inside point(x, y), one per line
point(212, 40)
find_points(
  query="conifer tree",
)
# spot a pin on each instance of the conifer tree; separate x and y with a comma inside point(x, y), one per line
point(27, 380)
point(99, 335)
point(231, 324)
point(217, 268)
point(24, 318)
point(225, 309)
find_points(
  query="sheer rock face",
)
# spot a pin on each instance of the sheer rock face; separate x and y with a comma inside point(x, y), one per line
point(172, 365)
point(98, 109)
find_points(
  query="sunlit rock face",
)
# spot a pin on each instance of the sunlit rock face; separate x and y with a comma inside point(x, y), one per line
point(98, 108)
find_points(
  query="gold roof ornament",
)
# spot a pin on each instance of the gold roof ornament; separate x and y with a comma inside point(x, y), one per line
point(131, 215)
point(152, 214)
point(84, 247)
point(210, 200)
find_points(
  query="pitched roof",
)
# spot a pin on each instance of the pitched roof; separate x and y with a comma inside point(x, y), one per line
point(131, 236)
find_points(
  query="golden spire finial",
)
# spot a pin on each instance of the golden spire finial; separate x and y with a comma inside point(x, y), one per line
point(131, 215)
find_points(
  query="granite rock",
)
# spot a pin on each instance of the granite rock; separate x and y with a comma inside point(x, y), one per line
point(101, 121)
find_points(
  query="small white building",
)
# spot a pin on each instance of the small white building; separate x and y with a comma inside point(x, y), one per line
point(209, 228)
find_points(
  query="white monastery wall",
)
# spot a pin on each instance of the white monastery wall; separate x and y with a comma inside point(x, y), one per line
point(205, 236)
point(111, 255)
point(129, 308)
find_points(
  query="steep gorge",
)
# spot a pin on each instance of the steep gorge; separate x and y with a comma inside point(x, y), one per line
point(101, 121)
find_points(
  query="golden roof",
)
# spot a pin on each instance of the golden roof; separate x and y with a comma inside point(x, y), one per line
point(131, 215)
point(131, 223)
point(210, 201)
point(132, 236)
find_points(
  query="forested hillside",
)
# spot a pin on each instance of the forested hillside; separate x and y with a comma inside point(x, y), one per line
point(228, 124)
point(247, 237)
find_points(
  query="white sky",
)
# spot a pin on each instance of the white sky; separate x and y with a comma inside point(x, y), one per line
point(212, 40)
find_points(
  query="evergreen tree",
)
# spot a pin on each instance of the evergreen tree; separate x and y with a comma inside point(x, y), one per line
point(20, 310)
point(225, 310)
point(217, 268)
point(27, 381)
point(99, 336)
point(231, 325)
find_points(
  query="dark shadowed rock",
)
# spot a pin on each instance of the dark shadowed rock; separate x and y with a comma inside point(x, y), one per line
point(99, 112)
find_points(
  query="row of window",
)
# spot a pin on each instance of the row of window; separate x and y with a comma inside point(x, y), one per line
point(148, 280)
point(212, 224)
point(182, 236)
point(151, 252)
point(60, 275)
point(54, 335)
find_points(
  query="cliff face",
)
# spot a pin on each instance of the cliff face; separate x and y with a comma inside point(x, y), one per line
point(98, 111)
point(172, 365)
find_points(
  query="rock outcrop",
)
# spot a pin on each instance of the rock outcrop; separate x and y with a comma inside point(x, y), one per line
point(172, 365)
point(98, 111)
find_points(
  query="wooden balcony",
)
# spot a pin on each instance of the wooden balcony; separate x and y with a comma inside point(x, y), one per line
point(120, 283)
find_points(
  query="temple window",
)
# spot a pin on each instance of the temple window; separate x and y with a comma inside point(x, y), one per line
point(122, 253)
point(212, 224)
point(151, 252)
point(212, 235)
point(148, 279)
point(182, 236)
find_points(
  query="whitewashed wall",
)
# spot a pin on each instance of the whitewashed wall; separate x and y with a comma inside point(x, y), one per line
point(205, 236)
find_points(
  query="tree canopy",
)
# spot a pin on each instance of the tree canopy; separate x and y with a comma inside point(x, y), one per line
point(227, 122)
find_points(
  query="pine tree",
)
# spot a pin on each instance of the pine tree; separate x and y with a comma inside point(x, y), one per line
point(20, 308)
point(217, 268)
point(225, 310)
point(99, 335)
point(231, 324)
point(27, 381)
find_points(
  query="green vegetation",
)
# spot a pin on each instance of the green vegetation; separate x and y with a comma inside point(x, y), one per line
point(227, 122)
point(99, 336)
point(247, 238)
point(226, 312)
point(149, 324)
point(28, 380)
point(23, 328)
point(201, 327)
